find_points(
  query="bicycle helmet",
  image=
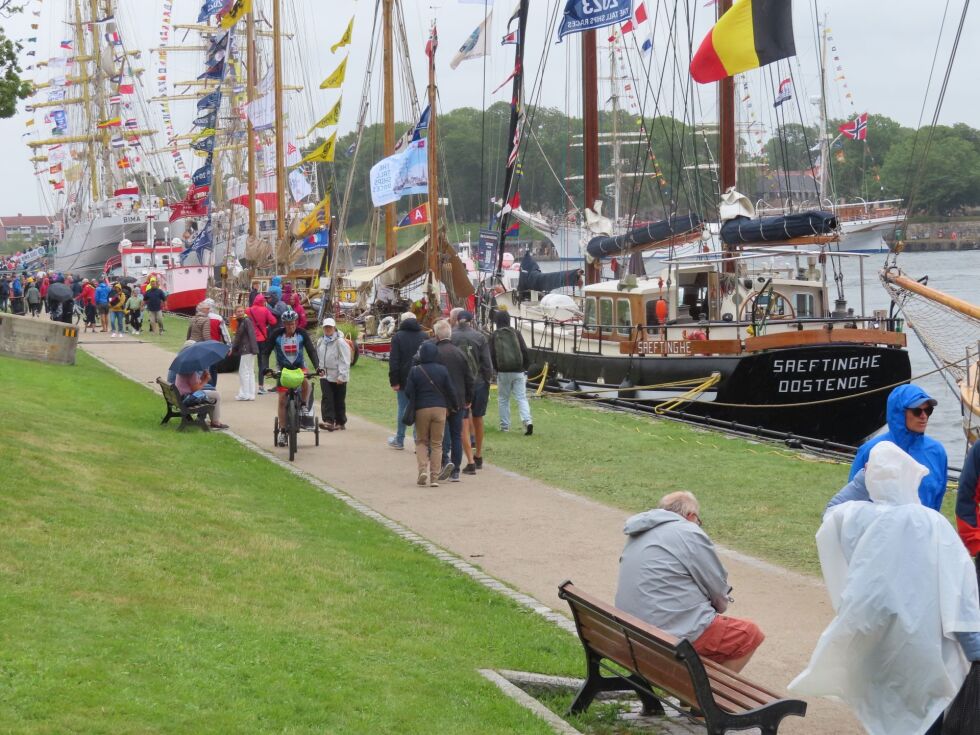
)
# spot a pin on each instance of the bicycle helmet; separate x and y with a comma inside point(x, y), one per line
point(289, 316)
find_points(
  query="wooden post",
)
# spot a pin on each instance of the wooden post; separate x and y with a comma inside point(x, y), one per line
point(253, 71)
point(388, 63)
point(433, 178)
point(280, 130)
point(590, 133)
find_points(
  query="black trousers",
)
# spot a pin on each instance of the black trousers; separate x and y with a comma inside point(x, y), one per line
point(333, 402)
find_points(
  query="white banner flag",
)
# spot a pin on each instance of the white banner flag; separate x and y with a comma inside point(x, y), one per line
point(475, 46)
point(262, 112)
point(404, 173)
point(299, 186)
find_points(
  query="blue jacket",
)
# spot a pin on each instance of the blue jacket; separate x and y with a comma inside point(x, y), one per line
point(102, 293)
point(967, 501)
point(434, 391)
point(275, 286)
point(17, 288)
point(923, 449)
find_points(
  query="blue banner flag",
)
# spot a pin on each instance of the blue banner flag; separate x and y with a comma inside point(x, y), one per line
point(207, 120)
point(216, 71)
point(210, 102)
point(209, 8)
point(587, 15)
point(202, 177)
point(205, 144)
point(317, 241)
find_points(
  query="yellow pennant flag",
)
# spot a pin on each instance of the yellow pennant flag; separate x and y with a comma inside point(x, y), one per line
point(337, 78)
point(344, 39)
point(323, 153)
point(203, 134)
point(235, 13)
point(331, 118)
point(315, 220)
point(29, 122)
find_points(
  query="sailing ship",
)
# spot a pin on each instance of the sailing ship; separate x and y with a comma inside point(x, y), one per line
point(105, 187)
point(749, 337)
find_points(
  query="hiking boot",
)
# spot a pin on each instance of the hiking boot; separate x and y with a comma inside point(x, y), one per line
point(423, 478)
point(446, 471)
point(478, 461)
point(528, 429)
point(395, 444)
point(455, 476)
point(469, 469)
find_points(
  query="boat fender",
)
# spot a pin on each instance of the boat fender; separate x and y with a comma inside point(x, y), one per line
point(387, 327)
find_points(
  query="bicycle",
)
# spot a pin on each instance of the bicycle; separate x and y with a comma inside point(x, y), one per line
point(294, 402)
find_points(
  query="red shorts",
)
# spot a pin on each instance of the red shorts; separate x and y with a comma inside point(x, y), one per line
point(727, 639)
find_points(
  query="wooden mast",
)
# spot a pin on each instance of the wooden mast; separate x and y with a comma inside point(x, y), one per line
point(253, 70)
point(280, 130)
point(433, 162)
point(590, 134)
point(388, 93)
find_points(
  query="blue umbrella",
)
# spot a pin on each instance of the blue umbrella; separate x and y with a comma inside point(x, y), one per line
point(199, 356)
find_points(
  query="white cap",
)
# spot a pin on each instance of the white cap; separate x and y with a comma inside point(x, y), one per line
point(329, 322)
point(408, 315)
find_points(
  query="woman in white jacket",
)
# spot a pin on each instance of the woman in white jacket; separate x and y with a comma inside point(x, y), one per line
point(334, 354)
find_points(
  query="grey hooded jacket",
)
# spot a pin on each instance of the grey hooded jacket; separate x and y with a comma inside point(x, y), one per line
point(670, 575)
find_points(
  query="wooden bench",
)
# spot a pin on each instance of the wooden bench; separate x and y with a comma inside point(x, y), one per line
point(194, 416)
point(656, 662)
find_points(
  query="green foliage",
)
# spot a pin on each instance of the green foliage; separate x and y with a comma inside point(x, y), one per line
point(156, 581)
point(12, 87)
point(942, 176)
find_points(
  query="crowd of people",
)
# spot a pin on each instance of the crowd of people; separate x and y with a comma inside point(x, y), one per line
point(903, 586)
point(103, 305)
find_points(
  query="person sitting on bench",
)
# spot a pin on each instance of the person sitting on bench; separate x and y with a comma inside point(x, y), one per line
point(671, 577)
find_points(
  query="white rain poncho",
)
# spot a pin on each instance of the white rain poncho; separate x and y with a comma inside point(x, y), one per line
point(901, 583)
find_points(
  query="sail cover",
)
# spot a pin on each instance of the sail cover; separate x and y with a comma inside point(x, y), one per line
point(743, 230)
point(412, 264)
point(532, 279)
point(604, 247)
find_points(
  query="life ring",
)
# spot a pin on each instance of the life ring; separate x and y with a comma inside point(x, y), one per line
point(386, 327)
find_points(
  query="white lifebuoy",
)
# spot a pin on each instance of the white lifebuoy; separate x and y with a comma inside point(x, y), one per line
point(387, 327)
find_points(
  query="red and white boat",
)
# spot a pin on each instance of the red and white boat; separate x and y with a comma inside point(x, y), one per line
point(186, 284)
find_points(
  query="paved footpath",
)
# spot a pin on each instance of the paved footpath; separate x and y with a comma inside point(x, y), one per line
point(529, 535)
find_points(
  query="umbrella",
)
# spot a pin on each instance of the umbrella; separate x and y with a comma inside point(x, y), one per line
point(126, 280)
point(59, 292)
point(199, 356)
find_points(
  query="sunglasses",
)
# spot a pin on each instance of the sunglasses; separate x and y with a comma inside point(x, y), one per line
point(917, 412)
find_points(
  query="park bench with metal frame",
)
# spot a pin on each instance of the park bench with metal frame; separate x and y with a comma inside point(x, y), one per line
point(193, 416)
point(655, 664)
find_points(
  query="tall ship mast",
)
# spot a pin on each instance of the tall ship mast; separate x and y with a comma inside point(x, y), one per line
point(93, 141)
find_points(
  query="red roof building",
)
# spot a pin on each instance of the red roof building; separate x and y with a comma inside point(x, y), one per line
point(30, 227)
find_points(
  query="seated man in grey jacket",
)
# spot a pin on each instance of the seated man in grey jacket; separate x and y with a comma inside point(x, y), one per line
point(671, 577)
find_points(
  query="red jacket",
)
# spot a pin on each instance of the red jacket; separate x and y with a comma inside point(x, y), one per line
point(261, 317)
point(968, 500)
point(88, 294)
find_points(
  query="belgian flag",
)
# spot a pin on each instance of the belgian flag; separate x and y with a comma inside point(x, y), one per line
point(750, 34)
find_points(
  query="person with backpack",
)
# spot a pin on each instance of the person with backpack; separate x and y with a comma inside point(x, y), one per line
point(510, 359)
point(431, 396)
point(404, 345)
point(451, 357)
point(476, 350)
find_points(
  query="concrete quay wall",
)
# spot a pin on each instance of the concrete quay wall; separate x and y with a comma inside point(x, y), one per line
point(39, 339)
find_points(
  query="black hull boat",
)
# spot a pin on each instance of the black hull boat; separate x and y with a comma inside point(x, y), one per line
point(834, 392)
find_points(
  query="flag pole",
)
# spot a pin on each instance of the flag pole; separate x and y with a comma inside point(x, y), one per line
point(726, 135)
point(388, 64)
point(433, 165)
point(590, 135)
point(280, 132)
point(250, 131)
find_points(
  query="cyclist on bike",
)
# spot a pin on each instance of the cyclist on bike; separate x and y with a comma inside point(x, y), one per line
point(289, 342)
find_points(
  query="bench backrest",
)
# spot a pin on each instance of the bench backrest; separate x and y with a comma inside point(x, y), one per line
point(170, 394)
point(631, 643)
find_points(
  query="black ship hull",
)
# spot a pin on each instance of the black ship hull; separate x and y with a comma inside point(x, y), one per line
point(832, 392)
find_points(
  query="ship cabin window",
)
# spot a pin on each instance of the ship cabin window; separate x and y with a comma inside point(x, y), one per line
point(624, 320)
point(606, 315)
point(805, 304)
point(590, 314)
point(692, 297)
point(137, 260)
point(165, 259)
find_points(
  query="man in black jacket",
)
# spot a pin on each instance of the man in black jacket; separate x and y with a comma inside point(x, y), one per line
point(510, 360)
point(474, 342)
point(404, 345)
point(459, 372)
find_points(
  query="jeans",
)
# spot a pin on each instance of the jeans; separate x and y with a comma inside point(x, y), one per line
point(118, 318)
point(452, 439)
point(399, 426)
point(516, 383)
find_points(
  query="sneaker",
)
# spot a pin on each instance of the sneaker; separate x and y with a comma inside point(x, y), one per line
point(433, 484)
point(528, 429)
point(423, 478)
point(395, 444)
point(282, 439)
point(447, 470)
point(469, 469)
point(505, 428)
point(455, 476)
point(260, 392)
point(478, 461)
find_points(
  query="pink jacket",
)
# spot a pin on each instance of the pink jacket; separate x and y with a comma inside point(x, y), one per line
point(261, 317)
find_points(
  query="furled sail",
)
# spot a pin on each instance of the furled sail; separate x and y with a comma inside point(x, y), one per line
point(604, 247)
point(744, 230)
point(532, 279)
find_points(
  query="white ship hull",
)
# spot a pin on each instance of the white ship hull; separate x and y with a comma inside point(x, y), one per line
point(88, 244)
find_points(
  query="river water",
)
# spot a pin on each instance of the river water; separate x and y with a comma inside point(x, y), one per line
point(954, 273)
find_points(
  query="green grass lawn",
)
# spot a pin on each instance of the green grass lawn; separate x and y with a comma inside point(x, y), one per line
point(156, 581)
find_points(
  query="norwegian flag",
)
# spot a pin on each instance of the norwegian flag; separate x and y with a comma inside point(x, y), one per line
point(856, 129)
point(433, 43)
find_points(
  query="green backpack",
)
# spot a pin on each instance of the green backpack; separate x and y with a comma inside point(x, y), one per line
point(508, 350)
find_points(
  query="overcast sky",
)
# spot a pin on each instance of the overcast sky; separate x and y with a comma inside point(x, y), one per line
point(885, 49)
